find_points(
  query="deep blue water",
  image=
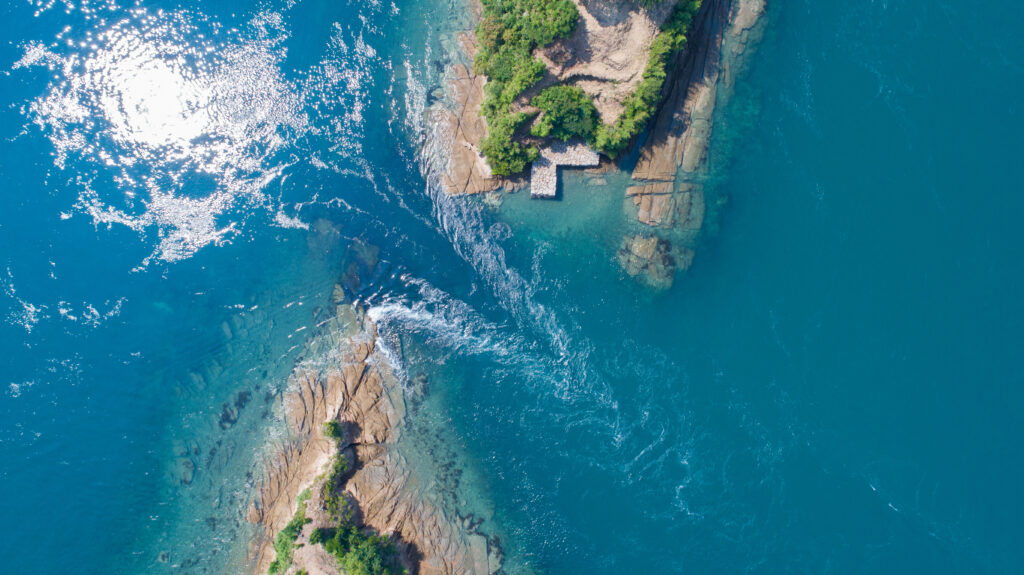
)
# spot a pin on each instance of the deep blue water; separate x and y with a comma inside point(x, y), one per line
point(832, 388)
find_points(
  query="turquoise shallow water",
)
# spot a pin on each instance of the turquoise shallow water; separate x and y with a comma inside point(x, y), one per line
point(833, 387)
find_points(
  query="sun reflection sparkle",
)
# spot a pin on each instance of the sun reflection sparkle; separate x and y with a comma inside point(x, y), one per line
point(156, 104)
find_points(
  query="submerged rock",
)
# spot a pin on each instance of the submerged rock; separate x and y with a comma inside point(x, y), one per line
point(493, 200)
point(186, 471)
point(228, 416)
point(358, 266)
point(242, 399)
point(653, 260)
point(338, 294)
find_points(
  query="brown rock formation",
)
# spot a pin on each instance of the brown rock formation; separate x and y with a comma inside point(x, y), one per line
point(680, 132)
point(462, 127)
point(662, 204)
point(467, 171)
point(359, 391)
point(673, 162)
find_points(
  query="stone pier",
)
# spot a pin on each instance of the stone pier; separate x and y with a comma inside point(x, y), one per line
point(544, 172)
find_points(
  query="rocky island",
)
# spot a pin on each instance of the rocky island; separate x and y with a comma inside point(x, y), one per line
point(338, 495)
point(617, 76)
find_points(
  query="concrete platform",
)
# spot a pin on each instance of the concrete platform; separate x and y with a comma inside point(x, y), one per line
point(544, 172)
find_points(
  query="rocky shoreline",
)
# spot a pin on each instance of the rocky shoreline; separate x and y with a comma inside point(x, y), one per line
point(668, 197)
point(674, 163)
point(356, 388)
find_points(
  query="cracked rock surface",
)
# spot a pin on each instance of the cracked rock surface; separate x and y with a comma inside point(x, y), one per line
point(358, 389)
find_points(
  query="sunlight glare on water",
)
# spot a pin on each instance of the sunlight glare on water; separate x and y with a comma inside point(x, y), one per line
point(161, 100)
point(154, 103)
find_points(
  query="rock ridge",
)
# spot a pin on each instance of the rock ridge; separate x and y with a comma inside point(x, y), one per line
point(673, 162)
point(357, 388)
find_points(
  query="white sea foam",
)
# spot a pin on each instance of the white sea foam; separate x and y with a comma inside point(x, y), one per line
point(285, 221)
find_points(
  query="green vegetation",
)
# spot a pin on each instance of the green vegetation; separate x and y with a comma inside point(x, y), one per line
point(332, 491)
point(332, 429)
point(505, 156)
point(566, 112)
point(643, 102)
point(356, 552)
point(508, 32)
point(284, 544)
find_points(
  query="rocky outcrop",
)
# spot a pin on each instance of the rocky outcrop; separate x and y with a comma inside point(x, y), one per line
point(719, 41)
point(673, 163)
point(461, 128)
point(357, 388)
point(663, 204)
point(680, 132)
point(467, 171)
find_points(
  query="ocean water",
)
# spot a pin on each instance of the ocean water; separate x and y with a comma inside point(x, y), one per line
point(833, 387)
